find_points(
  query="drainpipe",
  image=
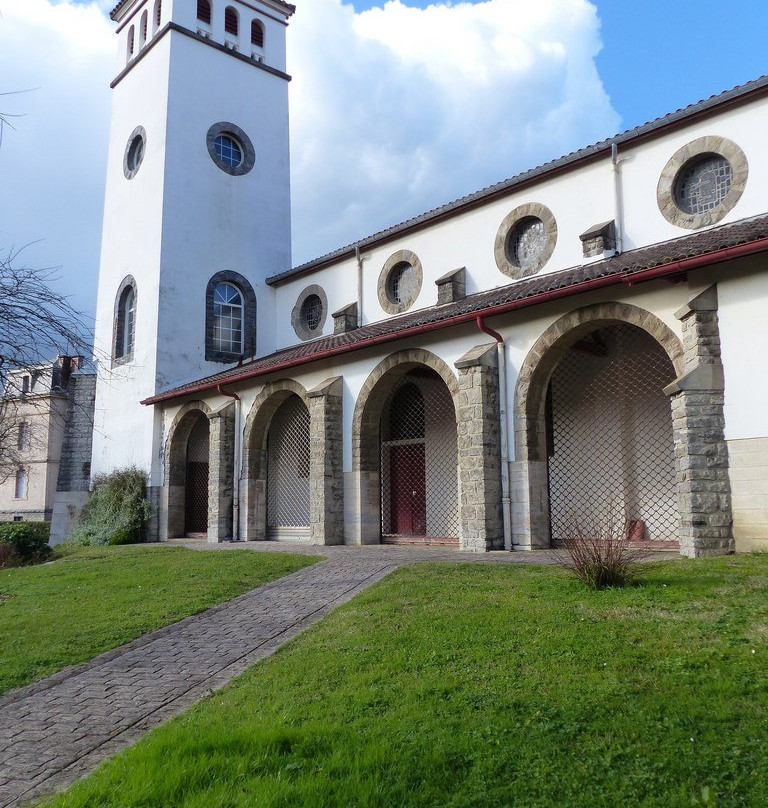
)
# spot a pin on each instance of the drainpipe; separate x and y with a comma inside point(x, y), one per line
point(359, 259)
point(618, 207)
point(237, 467)
point(503, 430)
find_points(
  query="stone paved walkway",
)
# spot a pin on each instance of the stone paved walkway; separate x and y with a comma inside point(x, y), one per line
point(59, 729)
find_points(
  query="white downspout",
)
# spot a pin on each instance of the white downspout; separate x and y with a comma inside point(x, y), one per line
point(359, 286)
point(618, 206)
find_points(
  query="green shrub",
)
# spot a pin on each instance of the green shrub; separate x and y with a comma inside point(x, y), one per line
point(28, 540)
point(117, 512)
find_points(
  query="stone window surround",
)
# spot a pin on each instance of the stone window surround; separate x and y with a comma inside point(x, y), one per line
point(234, 131)
point(665, 191)
point(127, 356)
point(400, 257)
point(303, 332)
point(249, 317)
point(138, 132)
point(506, 228)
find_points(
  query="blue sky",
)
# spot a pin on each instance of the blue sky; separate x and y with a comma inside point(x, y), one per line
point(394, 109)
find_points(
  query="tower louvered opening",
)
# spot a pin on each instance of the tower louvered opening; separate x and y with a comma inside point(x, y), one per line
point(419, 488)
point(288, 471)
point(610, 442)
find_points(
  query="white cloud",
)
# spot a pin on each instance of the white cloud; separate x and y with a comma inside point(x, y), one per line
point(52, 161)
point(393, 110)
point(398, 109)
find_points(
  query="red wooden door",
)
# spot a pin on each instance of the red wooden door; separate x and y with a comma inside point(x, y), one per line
point(408, 490)
point(196, 498)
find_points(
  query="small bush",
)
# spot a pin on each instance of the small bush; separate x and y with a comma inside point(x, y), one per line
point(117, 512)
point(28, 540)
point(598, 552)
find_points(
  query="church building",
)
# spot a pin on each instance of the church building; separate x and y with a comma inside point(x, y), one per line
point(583, 339)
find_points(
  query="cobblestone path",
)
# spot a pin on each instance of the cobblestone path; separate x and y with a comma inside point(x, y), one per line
point(59, 729)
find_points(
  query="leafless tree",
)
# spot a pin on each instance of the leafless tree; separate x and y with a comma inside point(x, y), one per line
point(37, 324)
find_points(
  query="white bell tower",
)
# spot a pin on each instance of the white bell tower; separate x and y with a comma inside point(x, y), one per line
point(197, 207)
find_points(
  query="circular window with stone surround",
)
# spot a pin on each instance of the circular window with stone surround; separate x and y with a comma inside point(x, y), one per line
point(400, 282)
point(702, 182)
point(230, 148)
point(310, 312)
point(525, 240)
point(134, 152)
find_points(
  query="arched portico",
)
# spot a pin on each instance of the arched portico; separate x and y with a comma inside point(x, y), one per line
point(404, 451)
point(198, 473)
point(411, 431)
point(292, 463)
point(588, 330)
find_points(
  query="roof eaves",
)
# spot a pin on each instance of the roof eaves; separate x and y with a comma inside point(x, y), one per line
point(664, 259)
point(738, 94)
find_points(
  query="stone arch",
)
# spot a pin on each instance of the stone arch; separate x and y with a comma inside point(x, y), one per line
point(255, 458)
point(175, 465)
point(531, 527)
point(365, 429)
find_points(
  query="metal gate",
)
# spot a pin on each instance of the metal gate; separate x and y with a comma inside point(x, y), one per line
point(610, 443)
point(419, 488)
point(196, 480)
point(288, 471)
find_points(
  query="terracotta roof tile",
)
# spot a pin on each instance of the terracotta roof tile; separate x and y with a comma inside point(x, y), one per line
point(621, 267)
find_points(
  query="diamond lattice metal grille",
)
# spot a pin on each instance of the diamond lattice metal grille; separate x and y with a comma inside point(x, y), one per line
point(288, 467)
point(419, 483)
point(611, 451)
point(196, 486)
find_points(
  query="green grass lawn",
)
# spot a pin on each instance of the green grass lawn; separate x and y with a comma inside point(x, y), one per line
point(474, 686)
point(97, 598)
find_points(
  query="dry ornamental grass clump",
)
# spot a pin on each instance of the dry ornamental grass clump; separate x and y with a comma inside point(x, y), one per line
point(598, 551)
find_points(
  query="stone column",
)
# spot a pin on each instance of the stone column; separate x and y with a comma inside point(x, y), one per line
point(221, 474)
point(698, 422)
point(326, 480)
point(479, 450)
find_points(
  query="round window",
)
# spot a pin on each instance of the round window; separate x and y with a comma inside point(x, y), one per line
point(703, 183)
point(134, 152)
point(400, 283)
point(230, 148)
point(309, 313)
point(312, 312)
point(527, 241)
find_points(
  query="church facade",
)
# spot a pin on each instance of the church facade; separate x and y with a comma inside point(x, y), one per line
point(582, 341)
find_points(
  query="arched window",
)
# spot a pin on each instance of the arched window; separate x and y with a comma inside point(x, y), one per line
point(157, 15)
point(125, 320)
point(204, 11)
point(130, 43)
point(257, 34)
point(230, 318)
point(143, 29)
point(227, 319)
point(230, 21)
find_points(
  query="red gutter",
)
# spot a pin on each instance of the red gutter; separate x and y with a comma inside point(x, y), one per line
point(486, 329)
point(671, 269)
point(222, 392)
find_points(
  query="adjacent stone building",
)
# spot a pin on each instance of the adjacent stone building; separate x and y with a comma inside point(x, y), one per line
point(47, 424)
